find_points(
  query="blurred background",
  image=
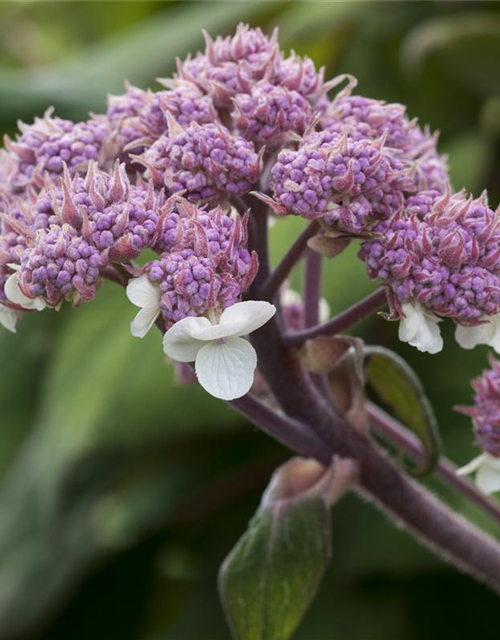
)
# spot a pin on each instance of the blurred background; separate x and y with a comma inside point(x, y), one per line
point(120, 492)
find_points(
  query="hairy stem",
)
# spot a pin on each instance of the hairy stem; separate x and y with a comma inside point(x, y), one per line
point(293, 434)
point(274, 281)
point(394, 432)
point(343, 321)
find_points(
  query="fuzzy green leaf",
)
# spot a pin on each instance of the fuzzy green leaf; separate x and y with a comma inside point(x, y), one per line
point(271, 576)
point(396, 384)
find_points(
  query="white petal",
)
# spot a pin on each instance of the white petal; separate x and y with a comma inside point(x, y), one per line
point(488, 476)
point(9, 318)
point(494, 340)
point(15, 295)
point(470, 337)
point(245, 317)
point(226, 369)
point(324, 310)
point(472, 466)
point(144, 320)
point(182, 342)
point(289, 297)
point(420, 328)
point(142, 292)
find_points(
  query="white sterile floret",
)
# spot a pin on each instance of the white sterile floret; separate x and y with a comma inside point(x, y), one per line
point(9, 318)
point(487, 469)
point(224, 361)
point(15, 295)
point(289, 297)
point(487, 333)
point(145, 294)
point(420, 328)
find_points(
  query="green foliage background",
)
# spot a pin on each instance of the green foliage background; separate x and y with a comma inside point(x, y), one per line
point(120, 492)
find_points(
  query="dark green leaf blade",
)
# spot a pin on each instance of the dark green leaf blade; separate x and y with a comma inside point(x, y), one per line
point(271, 576)
point(395, 382)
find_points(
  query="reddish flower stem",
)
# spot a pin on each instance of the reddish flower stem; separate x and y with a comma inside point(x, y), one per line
point(273, 282)
point(343, 321)
point(395, 432)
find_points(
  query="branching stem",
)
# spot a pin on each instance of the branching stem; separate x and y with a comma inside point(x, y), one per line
point(343, 321)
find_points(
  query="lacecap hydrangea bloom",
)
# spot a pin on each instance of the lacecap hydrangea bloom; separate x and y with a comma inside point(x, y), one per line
point(440, 258)
point(485, 416)
point(161, 170)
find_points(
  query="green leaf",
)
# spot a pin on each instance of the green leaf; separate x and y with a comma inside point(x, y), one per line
point(271, 576)
point(466, 47)
point(399, 387)
point(80, 82)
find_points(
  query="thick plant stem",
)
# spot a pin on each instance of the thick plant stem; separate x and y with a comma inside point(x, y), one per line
point(391, 430)
point(312, 288)
point(343, 321)
point(291, 433)
point(409, 504)
point(271, 285)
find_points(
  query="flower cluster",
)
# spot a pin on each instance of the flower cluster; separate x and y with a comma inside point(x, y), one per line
point(367, 118)
point(205, 162)
point(485, 416)
point(162, 170)
point(346, 181)
point(440, 258)
point(204, 265)
point(49, 144)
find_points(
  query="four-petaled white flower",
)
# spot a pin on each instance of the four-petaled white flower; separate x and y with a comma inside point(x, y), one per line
point(487, 333)
point(15, 295)
point(487, 470)
point(145, 294)
point(224, 361)
point(419, 327)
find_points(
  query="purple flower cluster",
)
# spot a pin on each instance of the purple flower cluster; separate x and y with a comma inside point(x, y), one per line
point(205, 162)
point(49, 144)
point(204, 262)
point(485, 413)
point(269, 112)
point(348, 182)
point(60, 265)
point(184, 102)
point(242, 115)
point(368, 118)
point(444, 252)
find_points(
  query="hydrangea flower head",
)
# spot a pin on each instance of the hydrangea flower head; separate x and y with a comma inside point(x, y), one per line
point(231, 65)
point(365, 117)
point(269, 112)
point(59, 265)
point(184, 101)
point(49, 144)
point(441, 258)
point(348, 182)
point(204, 265)
point(205, 162)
